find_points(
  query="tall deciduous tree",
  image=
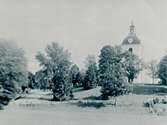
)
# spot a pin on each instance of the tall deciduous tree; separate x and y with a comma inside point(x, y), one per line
point(13, 70)
point(132, 65)
point(162, 70)
point(111, 72)
point(57, 63)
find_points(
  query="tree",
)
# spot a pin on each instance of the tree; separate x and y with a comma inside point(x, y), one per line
point(42, 80)
point(76, 75)
point(13, 71)
point(111, 72)
point(57, 63)
point(132, 65)
point(162, 70)
point(90, 80)
point(31, 80)
point(153, 70)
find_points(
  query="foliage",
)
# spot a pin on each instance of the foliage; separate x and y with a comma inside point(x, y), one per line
point(153, 108)
point(42, 81)
point(76, 76)
point(90, 80)
point(31, 80)
point(13, 72)
point(132, 65)
point(162, 70)
point(57, 63)
point(111, 72)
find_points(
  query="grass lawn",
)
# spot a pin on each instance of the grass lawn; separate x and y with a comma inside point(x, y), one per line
point(35, 110)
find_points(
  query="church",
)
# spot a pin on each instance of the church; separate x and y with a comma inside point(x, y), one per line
point(133, 44)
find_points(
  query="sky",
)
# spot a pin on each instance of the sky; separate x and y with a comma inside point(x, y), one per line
point(83, 26)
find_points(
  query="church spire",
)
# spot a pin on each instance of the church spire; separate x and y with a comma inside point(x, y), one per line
point(132, 27)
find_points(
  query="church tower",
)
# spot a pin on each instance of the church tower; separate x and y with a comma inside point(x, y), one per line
point(133, 44)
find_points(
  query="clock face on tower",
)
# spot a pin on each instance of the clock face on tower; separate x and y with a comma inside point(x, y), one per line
point(130, 40)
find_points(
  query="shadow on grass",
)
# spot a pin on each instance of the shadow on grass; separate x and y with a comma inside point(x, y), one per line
point(49, 94)
point(45, 99)
point(92, 98)
point(91, 104)
point(95, 102)
point(79, 89)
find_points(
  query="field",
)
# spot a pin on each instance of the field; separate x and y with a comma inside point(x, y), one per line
point(35, 109)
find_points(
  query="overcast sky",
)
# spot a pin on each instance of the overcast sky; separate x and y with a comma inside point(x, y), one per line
point(83, 26)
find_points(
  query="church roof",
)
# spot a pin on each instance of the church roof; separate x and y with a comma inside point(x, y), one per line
point(131, 38)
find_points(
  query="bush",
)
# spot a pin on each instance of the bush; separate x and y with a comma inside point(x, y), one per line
point(153, 106)
point(152, 102)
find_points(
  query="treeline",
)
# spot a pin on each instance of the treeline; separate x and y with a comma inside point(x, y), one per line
point(113, 71)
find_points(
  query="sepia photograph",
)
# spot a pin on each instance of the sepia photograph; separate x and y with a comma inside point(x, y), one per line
point(83, 62)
